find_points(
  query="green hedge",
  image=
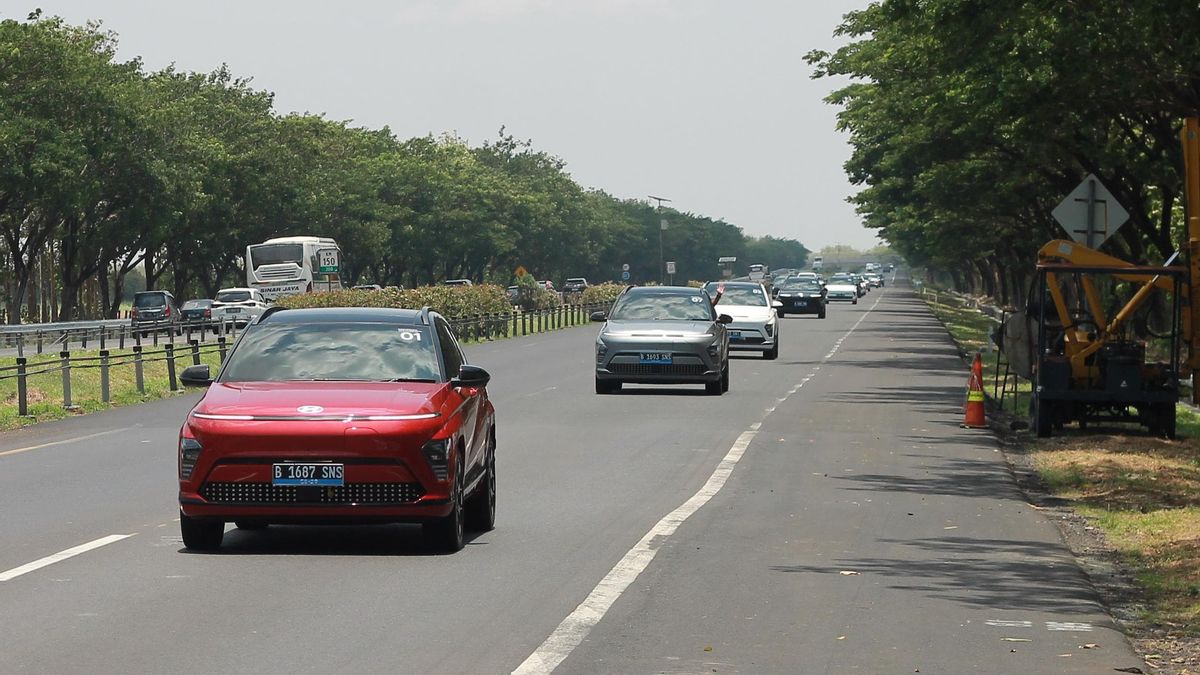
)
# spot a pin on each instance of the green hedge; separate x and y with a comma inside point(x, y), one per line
point(602, 294)
point(450, 301)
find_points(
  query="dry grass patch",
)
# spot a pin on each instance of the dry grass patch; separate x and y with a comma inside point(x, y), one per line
point(1144, 494)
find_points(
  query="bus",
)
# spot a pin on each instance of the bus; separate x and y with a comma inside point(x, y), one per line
point(289, 265)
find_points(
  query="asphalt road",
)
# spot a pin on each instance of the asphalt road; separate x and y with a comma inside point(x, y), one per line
point(827, 515)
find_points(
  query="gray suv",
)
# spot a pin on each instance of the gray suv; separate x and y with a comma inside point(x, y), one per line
point(153, 310)
point(662, 335)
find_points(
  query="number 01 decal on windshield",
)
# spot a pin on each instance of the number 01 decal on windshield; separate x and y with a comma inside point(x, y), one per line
point(410, 336)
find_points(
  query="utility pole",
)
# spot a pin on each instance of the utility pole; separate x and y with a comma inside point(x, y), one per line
point(662, 225)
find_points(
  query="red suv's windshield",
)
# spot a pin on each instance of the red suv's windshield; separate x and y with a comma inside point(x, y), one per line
point(333, 351)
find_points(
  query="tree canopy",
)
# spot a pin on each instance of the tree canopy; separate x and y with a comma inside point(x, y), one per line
point(107, 170)
point(969, 121)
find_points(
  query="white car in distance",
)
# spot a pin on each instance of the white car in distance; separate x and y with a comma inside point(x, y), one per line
point(755, 324)
point(238, 306)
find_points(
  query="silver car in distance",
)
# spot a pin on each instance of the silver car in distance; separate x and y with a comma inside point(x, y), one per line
point(662, 335)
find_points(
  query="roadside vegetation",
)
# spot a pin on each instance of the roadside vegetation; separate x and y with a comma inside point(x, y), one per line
point(45, 390)
point(112, 176)
point(1143, 493)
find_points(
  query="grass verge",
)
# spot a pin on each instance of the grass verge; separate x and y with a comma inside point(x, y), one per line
point(45, 389)
point(1142, 493)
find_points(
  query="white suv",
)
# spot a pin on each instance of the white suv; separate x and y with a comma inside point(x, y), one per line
point(238, 305)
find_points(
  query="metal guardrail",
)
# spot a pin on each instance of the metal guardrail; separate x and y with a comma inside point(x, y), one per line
point(477, 327)
point(40, 338)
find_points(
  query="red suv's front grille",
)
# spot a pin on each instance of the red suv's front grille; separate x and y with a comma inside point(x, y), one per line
point(350, 493)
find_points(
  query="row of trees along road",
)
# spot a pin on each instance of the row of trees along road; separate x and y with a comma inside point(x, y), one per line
point(106, 169)
point(969, 121)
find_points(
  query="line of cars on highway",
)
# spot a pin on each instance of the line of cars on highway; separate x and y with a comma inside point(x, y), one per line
point(682, 335)
point(155, 310)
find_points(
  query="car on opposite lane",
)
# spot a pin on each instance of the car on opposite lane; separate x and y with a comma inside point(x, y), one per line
point(196, 311)
point(340, 415)
point(239, 306)
point(662, 335)
point(755, 325)
point(153, 310)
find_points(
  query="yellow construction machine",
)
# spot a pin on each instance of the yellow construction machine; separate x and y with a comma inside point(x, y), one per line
point(1089, 364)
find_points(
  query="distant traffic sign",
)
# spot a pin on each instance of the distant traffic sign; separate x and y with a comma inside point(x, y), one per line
point(670, 267)
point(327, 260)
point(625, 275)
point(625, 267)
point(1090, 214)
point(521, 271)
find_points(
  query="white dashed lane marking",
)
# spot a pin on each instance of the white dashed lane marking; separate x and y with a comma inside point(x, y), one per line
point(1059, 626)
point(61, 556)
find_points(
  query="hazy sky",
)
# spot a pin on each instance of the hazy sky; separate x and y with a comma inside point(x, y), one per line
point(706, 102)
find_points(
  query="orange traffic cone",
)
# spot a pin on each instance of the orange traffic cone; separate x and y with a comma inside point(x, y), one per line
point(974, 417)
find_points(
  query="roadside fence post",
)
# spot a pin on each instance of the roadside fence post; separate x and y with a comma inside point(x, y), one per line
point(514, 324)
point(104, 389)
point(102, 330)
point(195, 345)
point(139, 375)
point(39, 341)
point(524, 323)
point(189, 332)
point(83, 342)
point(20, 344)
point(221, 347)
point(65, 366)
point(121, 338)
point(170, 351)
point(22, 388)
point(541, 314)
point(154, 332)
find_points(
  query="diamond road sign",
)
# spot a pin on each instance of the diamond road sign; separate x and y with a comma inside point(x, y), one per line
point(1090, 214)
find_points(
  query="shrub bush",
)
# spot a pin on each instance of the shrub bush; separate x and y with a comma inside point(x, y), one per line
point(449, 301)
point(602, 294)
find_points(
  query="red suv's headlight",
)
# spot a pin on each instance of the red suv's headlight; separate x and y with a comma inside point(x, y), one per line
point(437, 453)
point(189, 453)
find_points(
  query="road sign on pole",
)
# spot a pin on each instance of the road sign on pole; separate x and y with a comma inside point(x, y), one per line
point(670, 267)
point(625, 275)
point(1090, 214)
point(625, 267)
point(327, 260)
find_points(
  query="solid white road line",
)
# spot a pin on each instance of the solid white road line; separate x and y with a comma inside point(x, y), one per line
point(571, 632)
point(60, 556)
point(62, 442)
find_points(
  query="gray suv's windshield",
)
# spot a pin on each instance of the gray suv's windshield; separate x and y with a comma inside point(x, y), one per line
point(662, 307)
point(333, 351)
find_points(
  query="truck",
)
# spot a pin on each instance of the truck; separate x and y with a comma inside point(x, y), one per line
point(817, 263)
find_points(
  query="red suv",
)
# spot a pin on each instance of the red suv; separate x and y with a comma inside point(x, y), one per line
point(340, 415)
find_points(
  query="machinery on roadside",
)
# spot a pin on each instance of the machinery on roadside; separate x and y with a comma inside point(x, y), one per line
point(1077, 339)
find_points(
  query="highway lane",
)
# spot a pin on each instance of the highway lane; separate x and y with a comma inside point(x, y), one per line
point(825, 486)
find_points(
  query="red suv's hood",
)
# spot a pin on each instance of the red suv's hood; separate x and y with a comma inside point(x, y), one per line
point(334, 399)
